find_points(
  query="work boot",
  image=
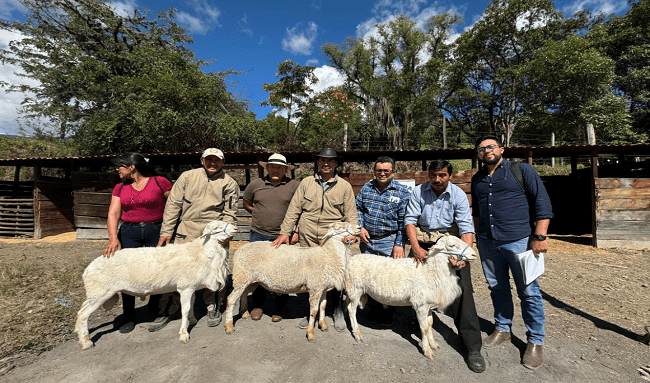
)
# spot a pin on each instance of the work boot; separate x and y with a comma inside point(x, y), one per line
point(127, 327)
point(533, 356)
point(475, 361)
point(496, 339)
point(256, 314)
point(304, 323)
point(214, 318)
point(162, 321)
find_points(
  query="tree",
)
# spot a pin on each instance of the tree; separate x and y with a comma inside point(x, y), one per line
point(291, 92)
point(489, 91)
point(396, 75)
point(116, 82)
point(626, 40)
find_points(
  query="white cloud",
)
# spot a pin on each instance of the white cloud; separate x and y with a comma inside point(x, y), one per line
point(244, 21)
point(8, 6)
point(123, 8)
point(596, 6)
point(327, 77)
point(11, 101)
point(312, 62)
point(386, 11)
point(300, 41)
point(207, 19)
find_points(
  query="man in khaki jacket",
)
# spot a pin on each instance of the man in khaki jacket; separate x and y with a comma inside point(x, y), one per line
point(318, 202)
point(198, 197)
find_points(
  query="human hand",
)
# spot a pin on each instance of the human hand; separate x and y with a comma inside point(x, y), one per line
point(282, 238)
point(365, 237)
point(349, 240)
point(164, 240)
point(398, 252)
point(457, 264)
point(538, 246)
point(419, 254)
point(295, 238)
point(112, 246)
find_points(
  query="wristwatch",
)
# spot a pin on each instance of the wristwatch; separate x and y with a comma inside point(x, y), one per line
point(539, 237)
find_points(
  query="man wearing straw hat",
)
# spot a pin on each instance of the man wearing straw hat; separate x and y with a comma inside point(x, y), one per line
point(267, 199)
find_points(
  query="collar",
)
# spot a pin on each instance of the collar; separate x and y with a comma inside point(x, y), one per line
point(219, 174)
point(319, 179)
point(391, 185)
point(268, 182)
point(427, 187)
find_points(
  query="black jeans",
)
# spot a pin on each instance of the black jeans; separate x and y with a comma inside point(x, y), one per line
point(133, 235)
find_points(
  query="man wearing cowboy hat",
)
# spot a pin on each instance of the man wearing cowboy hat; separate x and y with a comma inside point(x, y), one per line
point(318, 202)
point(198, 197)
point(267, 199)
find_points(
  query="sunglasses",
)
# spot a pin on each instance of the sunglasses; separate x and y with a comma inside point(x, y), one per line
point(484, 148)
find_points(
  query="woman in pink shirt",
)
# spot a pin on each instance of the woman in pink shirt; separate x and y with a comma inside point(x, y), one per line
point(139, 201)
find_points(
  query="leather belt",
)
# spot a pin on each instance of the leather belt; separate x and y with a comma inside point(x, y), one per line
point(382, 236)
point(142, 224)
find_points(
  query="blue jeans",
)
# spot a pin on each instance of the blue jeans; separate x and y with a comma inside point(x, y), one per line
point(382, 246)
point(257, 237)
point(496, 258)
point(134, 235)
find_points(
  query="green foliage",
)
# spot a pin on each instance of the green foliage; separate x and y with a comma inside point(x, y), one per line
point(291, 93)
point(28, 148)
point(119, 83)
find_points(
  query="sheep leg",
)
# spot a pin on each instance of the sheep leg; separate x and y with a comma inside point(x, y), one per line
point(232, 300)
point(81, 326)
point(314, 301)
point(432, 342)
point(186, 306)
point(422, 315)
point(353, 302)
point(321, 320)
point(243, 301)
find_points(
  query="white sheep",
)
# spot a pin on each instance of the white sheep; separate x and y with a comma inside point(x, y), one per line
point(291, 269)
point(398, 282)
point(144, 271)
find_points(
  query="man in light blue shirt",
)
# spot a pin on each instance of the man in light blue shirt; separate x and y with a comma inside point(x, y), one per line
point(439, 207)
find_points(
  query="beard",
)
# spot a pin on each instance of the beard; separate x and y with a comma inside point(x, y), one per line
point(494, 160)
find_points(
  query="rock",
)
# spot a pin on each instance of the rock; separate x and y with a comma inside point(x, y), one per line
point(29, 304)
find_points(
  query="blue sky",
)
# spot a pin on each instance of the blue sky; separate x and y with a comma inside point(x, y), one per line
point(253, 36)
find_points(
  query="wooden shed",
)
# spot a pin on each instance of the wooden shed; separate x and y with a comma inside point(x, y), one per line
point(607, 200)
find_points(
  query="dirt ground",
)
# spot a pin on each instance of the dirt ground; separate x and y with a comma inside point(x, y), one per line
point(596, 305)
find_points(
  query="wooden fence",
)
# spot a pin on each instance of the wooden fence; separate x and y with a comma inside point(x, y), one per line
point(623, 212)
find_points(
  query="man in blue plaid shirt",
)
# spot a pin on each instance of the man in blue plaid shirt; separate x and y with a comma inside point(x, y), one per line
point(381, 207)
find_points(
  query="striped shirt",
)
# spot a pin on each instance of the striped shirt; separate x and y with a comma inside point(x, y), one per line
point(382, 212)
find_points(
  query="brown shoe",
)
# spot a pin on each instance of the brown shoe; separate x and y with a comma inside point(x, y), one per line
point(533, 356)
point(256, 314)
point(276, 318)
point(496, 339)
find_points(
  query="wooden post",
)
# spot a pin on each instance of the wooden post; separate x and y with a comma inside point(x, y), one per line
point(345, 137)
point(594, 176)
point(591, 135)
point(424, 165)
point(574, 164)
point(260, 169)
point(248, 176)
point(444, 132)
point(529, 157)
point(552, 144)
point(14, 192)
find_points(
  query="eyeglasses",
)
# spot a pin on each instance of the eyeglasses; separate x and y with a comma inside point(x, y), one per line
point(383, 171)
point(484, 148)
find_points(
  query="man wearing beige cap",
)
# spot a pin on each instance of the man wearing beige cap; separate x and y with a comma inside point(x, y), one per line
point(198, 197)
point(267, 199)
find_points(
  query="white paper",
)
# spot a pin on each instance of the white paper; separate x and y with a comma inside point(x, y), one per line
point(531, 266)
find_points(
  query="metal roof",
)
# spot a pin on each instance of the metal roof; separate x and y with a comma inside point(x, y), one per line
point(350, 156)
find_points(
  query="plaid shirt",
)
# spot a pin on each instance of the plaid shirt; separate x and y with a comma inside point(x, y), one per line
point(382, 212)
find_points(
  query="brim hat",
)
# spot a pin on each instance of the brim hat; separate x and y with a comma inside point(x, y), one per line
point(329, 153)
point(213, 152)
point(277, 159)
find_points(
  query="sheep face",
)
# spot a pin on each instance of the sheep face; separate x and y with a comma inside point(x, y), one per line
point(221, 230)
point(455, 247)
point(342, 228)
